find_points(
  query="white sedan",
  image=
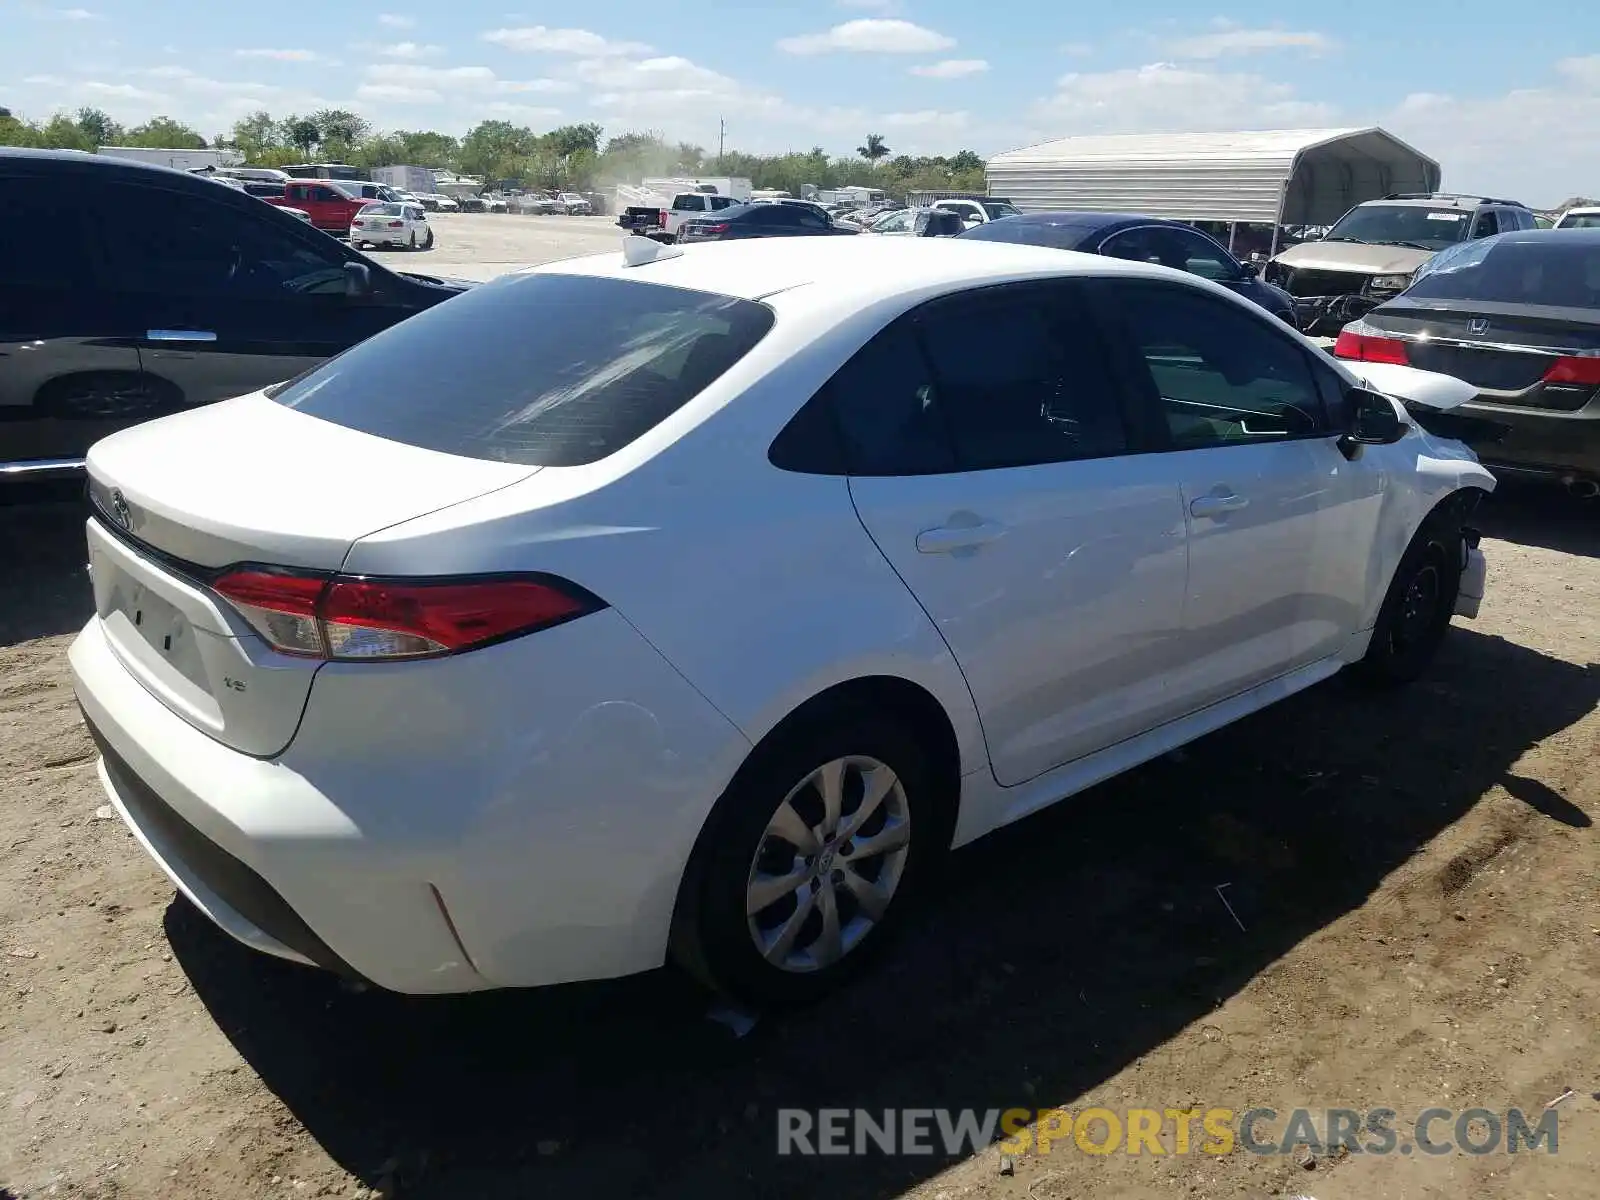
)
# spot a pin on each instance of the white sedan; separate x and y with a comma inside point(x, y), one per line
point(404, 225)
point(692, 603)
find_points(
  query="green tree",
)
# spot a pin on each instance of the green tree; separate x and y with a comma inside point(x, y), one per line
point(16, 132)
point(425, 148)
point(966, 160)
point(98, 126)
point(254, 135)
point(569, 139)
point(874, 148)
point(302, 133)
point(164, 132)
point(496, 149)
point(62, 132)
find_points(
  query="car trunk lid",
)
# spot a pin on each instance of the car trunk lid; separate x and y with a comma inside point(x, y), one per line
point(247, 481)
point(1502, 349)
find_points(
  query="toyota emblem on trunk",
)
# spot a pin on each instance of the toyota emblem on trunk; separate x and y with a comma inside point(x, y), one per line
point(120, 512)
point(1478, 325)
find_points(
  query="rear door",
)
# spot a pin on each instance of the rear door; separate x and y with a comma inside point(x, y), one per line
point(989, 461)
point(228, 300)
point(69, 361)
point(1280, 524)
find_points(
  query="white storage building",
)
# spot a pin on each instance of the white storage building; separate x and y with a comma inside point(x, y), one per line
point(1279, 176)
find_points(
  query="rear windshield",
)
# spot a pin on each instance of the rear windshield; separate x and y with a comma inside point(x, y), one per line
point(1502, 270)
point(1590, 220)
point(382, 210)
point(544, 370)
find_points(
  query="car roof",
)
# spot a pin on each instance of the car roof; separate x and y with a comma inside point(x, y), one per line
point(1582, 210)
point(1088, 220)
point(869, 269)
point(1438, 202)
point(1553, 237)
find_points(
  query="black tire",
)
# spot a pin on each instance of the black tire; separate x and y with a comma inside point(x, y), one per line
point(428, 245)
point(713, 937)
point(412, 244)
point(1416, 609)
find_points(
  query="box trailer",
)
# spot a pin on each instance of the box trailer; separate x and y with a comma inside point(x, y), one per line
point(418, 181)
point(178, 159)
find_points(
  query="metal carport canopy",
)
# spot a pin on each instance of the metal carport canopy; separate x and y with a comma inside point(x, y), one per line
point(1284, 176)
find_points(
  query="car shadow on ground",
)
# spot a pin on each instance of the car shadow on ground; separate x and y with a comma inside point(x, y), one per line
point(44, 582)
point(1541, 514)
point(1057, 951)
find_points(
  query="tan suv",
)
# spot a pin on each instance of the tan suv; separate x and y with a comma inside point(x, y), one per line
point(1372, 252)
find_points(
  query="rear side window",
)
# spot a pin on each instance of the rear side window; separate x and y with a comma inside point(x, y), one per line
point(544, 370)
point(887, 412)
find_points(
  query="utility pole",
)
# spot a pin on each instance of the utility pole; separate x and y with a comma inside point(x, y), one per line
point(722, 135)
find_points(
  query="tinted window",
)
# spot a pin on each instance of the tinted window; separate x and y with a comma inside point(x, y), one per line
point(689, 203)
point(1553, 270)
point(41, 241)
point(1021, 379)
point(884, 403)
point(1175, 248)
point(174, 242)
point(327, 193)
point(808, 218)
point(1487, 224)
point(1223, 375)
point(1588, 220)
point(550, 370)
point(773, 214)
point(383, 210)
point(721, 201)
point(893, 223)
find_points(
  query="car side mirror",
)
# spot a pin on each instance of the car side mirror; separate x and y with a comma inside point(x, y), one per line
point(1373, 420)
point(357, 279)
point(1250, 269)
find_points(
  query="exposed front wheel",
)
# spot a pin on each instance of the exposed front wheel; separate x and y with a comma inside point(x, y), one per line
point(1416, 610)
point(808, 864)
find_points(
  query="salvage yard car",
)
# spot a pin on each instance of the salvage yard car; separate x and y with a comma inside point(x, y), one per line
point(1517, 316)
point(1140, 239)
point(1374, 250)
point(404, 225)
point(693, 602)
point(158, 291)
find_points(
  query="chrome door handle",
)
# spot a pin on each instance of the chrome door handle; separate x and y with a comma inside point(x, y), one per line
point(1211, 506)
point(180, 335)
point(948, 539)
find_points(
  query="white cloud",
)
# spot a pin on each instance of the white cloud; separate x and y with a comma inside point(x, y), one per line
point(1161, 97)
point(46, 81)
point(951, 68)
point(121, 91)
point(397, 93)
point(540, 39)
point(521, 112)
point(1231, 41)
point(397, 21)
point(62, 14)
point(441, 80)
point(408, 50)
point(927, 118)
point(299, 56)
point(870, 35)
point(1529, 143)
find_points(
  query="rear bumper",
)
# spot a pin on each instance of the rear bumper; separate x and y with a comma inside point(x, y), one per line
point(439, 826)
point(1560, 445)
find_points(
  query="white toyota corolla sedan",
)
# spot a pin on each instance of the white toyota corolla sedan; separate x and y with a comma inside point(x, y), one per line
point(691, 604)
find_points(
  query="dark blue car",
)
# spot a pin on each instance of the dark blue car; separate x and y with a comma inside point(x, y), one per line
point(1141, 239)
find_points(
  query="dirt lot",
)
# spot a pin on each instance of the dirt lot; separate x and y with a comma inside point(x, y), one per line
point(483, 245)
point(1414, 878)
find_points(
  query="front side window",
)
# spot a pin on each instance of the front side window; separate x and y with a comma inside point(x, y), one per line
point(545, 370)
point(185, 245)
point(893, 223)
point(1487, 224)
point(1000, 208)
point(1222, 375)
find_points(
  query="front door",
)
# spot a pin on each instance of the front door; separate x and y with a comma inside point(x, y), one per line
point(987, 449)
point(1278, 520)
point(229, 302)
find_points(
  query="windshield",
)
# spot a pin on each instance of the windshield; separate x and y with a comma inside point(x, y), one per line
point(545, 370)
point(1402, 225)
point(1588, 220)
point(1501, 270)
point(1000, 208)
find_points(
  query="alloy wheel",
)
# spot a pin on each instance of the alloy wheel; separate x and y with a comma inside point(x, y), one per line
point(828, 864)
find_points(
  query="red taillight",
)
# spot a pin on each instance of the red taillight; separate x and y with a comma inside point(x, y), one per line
point(1365, 347)
point(1585, 372)
point(353, 618)
point(397, 224)
point(663, 215)
point(723, 228)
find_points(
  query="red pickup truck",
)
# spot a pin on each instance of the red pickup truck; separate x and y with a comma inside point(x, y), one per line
point(330, 209)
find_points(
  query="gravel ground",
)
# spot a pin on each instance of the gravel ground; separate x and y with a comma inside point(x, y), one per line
point(483, 245)
point(1413, 877)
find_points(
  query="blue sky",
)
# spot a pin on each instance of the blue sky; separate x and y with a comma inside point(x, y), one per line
point(1507, 103)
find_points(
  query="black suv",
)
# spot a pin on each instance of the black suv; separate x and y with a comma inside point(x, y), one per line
point(128, 291)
